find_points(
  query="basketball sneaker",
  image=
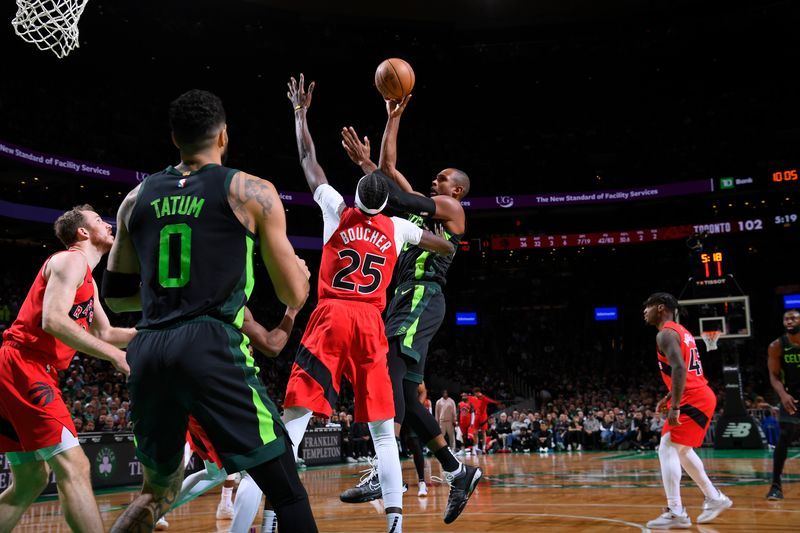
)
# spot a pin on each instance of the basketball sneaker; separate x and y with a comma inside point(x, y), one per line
point(423, 489)
point(225, 511)
point(670, 520)
point(162, 524)
point(775, 493)
point(712, 508)
point(461, 488)
point(368, 488)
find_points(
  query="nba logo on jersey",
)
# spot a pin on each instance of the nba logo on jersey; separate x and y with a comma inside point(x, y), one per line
point(182, 183)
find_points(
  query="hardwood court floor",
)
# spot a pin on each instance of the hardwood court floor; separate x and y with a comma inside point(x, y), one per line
point(587, 491)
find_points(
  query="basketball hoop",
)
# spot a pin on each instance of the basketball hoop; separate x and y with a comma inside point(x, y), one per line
point(49, 24)
point(710, 338)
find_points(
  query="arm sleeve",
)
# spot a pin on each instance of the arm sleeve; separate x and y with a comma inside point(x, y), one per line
point(405, 232)
point(329, 201)
point(406, 202)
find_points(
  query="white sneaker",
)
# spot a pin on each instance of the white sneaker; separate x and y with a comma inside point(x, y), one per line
point(224, 511)
point(162, 525)
point(569, 447)
point(423, 489)
point(670, 520)
point(580, 447)
point(460, 453)
point(712, 508)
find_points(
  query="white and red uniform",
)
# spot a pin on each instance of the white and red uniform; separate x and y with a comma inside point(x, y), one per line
point(32, 411)
point(465, 411)
point(698, 400)
point(481, 405)
point(345, 333)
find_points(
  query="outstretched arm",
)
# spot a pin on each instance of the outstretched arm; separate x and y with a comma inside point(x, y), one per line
point(121, 280)
point(301, 100)
point(388, 157)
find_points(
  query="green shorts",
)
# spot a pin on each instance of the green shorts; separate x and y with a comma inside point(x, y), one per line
point(414, 315)
point(201, 368)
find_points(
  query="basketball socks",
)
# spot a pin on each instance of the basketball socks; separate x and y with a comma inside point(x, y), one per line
point(269, 523)
point(246, 504)
point(296, 421)
point(694, 467)
point(670, 462)
point(394, 522)
point(389, 471)
point(448, 460)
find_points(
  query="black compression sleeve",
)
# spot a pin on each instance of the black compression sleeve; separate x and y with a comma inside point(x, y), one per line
point(407, 202)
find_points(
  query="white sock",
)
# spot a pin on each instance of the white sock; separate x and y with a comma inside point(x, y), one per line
point(693, 465)
point(269, 523)
point(199, 483)
point(296, 421)
point(671, 473)
point(390, 473)
point(394, 522)
point(225, 497)
point(187, 454)
point(246, 504)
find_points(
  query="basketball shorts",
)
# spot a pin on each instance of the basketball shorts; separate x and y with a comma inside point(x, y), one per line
point(33, 415)
point(342, 338)
point(202, 368)
point(414, 315)
point(697, 409)
point(201, 444)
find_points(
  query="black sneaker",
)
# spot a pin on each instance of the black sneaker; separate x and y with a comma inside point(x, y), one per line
point(775, 493)
point(461, 488)
point(368, 488)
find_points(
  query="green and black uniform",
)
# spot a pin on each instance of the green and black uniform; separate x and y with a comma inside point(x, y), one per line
point(790, 376)
point(417, 309)
point(190, 356)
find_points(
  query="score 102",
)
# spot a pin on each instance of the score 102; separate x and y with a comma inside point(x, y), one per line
point(784, 176)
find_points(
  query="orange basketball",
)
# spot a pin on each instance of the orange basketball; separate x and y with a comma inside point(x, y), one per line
point(394, 78)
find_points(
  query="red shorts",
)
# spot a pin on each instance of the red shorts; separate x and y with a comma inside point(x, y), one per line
point(32, 411)
point(200, 443)
point(347, 339)
point(697, 409)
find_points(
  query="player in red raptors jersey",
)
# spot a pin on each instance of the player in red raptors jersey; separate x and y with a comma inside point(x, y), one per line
point(61, 315)
point(689, 405)
point(345, 333)
point(466, 419)
point(481, 404)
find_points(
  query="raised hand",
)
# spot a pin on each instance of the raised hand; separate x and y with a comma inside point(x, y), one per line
point(395, 108)
point(297, 94)
point(357, 151)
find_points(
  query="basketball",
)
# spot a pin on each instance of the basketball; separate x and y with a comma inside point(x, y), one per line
point(394, 78)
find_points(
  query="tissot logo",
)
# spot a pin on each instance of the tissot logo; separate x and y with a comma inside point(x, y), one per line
point(42, 393)
point(737, 430)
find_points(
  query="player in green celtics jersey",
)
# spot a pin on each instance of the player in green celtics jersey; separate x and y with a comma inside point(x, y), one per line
point(183, 255)
point(783, 361)
point(417, 309)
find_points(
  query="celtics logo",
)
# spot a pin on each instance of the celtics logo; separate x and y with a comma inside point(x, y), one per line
point(105, 461)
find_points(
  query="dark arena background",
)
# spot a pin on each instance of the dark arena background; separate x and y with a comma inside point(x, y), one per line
point(615, 149)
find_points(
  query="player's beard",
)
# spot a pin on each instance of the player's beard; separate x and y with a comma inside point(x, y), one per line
point(794, 330)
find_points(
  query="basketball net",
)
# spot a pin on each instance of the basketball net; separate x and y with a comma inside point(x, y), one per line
point(710, 338)
point(49, 24)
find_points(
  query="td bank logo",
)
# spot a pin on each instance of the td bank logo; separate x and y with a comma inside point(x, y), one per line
point(737, 430)
point(105, 461)
point(726, 183)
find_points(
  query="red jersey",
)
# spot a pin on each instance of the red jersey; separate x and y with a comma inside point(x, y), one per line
point(481, 404)
point(691, 358)
point(26, 332)
point(359, 251)
point(464, 410)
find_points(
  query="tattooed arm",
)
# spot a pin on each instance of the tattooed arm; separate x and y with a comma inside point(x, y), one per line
point(301, 101)
point(256, 204)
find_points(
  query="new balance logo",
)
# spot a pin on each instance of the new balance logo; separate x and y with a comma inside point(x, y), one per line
point(41, 392)
point(737, 430)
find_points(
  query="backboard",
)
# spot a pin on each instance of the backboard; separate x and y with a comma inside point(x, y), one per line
point(730, 314)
